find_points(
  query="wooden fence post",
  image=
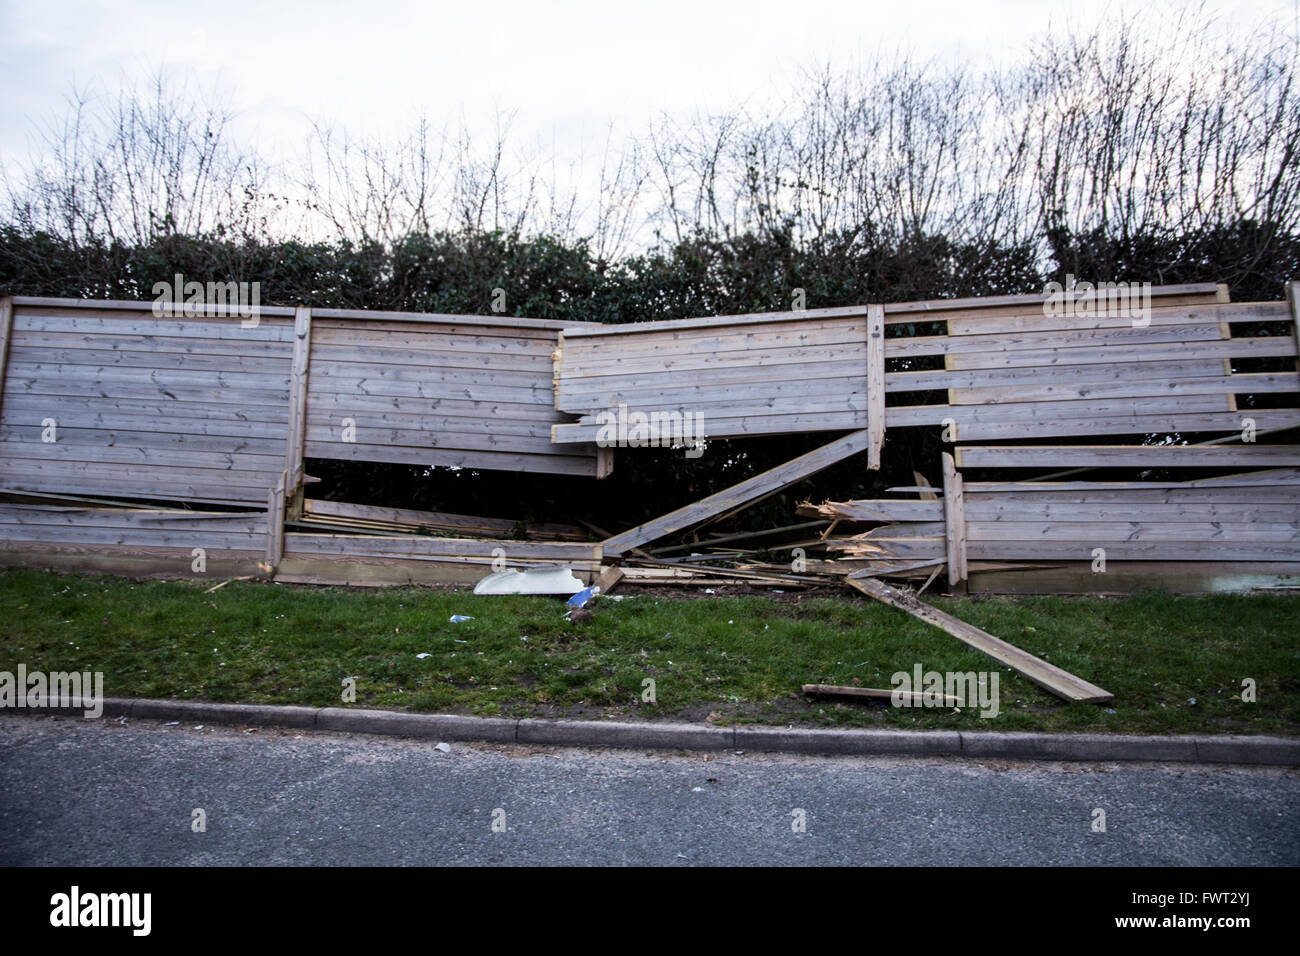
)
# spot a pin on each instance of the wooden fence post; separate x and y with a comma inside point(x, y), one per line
point(875, 384)
point(954, 517)
point(297, 410)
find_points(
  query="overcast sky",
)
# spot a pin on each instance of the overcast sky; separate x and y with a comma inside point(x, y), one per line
point(568, 68)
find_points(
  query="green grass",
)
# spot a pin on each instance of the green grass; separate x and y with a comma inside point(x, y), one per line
point(724, 659)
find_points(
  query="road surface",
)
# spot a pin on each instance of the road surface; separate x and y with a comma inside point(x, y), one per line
point(75, 792)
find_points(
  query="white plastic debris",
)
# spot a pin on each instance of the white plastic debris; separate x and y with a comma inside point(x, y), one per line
point(420, 657)
point(445, 748)
point(459, 619)
point(532, 581)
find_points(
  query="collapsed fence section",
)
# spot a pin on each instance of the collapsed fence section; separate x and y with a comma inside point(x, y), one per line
point(1199, 528)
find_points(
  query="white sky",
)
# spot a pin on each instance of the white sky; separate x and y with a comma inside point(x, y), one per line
point(568, 68)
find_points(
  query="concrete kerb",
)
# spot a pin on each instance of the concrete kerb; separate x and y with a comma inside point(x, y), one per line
point(1259, 750)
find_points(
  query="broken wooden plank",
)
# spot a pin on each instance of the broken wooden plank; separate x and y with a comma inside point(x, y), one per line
point(703, 569)
point(765, 483)
point(739, 536)
point(876, 509)
point(609, 578)
point(913, 698)
point(1048, 676)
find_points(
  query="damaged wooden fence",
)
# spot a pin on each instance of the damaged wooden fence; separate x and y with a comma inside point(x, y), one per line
point(1252, 518)
point(108, 401)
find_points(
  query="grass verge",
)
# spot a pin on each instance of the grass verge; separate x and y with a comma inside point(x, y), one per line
point(1175, 664)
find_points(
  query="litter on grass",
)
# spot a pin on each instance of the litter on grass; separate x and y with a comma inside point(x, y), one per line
point(532, 581)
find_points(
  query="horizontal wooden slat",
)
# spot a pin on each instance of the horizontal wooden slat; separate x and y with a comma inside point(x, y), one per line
point(1133, 550)
point(110, 375)
point(994, 303)
point(1121, 369)
point(327, 407)
point(1264, 419)
point(65, 453)
point(430, 519)
point(1146, 529)
point(703, 396)
point(146, 325)
point(1182, 350)
point(148, 519)
point(709, 322)
point(341, 336)
point(196, 537)
point(749, 424)
point(571, 464)
point(100, 411)
point(748, 356)
point(1232, 313)
point(1138, 456)
point(113, 305)
point(1243, 384)
point(72, 437)
point(143, 391)
point(1029, 507)
point(1008, 342)
point(635, 345)
point(150, 359)
point(1045, 414)
point(490, 324)
point(192, 345)
point(432, 545)
point(345, 376)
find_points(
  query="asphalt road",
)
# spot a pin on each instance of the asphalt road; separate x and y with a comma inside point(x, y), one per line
point(81, 793)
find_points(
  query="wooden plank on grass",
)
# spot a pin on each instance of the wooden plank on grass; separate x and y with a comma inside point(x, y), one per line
point(914, 698)
point(1048, 676)
point(954, 516)
point(766, 483)
point(875, 384)
point(1127, 456)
